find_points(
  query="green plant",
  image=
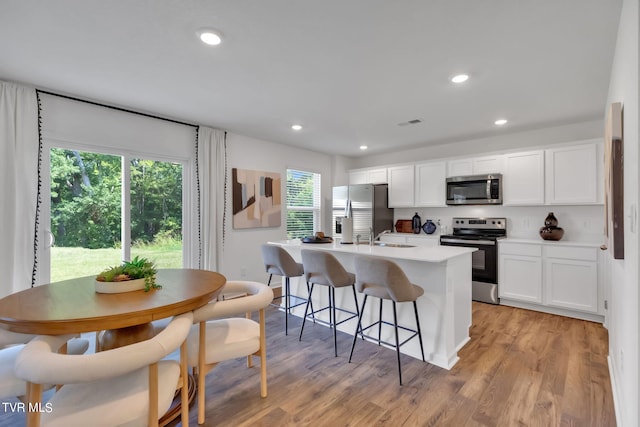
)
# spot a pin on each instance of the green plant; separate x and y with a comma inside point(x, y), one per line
point(137, 268)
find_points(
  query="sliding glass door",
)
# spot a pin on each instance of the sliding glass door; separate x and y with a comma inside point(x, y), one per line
point(101, 208)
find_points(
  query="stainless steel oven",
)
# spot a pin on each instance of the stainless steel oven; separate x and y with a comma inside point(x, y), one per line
point(482, 234)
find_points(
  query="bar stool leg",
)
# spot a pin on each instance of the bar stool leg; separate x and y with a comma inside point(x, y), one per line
point(415, 309)
point(269, 282)
point(287, 305)
point(358, 328)
point(380, 323)
point(313, 316)
point(355, 300)
point(332, 296)
point(306, 310)
point(395, 324)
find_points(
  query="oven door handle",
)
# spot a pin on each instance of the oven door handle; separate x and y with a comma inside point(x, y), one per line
point(468, 242)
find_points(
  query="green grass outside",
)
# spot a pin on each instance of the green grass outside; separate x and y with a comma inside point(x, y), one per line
point(67, 263)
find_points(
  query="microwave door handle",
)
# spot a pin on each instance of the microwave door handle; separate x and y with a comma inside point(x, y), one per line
point(488, 188)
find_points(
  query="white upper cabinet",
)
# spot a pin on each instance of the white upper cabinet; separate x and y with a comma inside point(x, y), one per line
point(487, 165)
point(401, 186)
point(459, 167)
point(574, 174)
point(430, 184)
point(368, 176)
point(475, 166)
point(523, 178)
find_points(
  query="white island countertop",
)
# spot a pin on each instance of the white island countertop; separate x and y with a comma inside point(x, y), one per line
point(414, 253)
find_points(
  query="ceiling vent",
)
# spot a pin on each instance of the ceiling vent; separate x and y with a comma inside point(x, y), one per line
point(410, 122)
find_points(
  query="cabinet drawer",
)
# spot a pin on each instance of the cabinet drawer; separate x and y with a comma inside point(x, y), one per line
point(519, 249)
point(571, 252)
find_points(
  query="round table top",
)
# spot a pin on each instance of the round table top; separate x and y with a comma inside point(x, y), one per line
point(72, 306)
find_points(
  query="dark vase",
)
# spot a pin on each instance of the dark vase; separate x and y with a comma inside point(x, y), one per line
point(551, 220)
point(551, 231)
point(416, 223)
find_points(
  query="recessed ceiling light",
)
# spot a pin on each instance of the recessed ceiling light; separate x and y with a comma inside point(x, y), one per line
point(296, 127)
point(210, 37)
point(363, 147)
point(500, 122)
point(460, 78)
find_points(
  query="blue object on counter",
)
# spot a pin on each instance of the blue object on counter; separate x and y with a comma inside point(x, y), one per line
point(429, 227)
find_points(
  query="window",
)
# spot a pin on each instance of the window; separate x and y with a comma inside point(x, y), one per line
point(303, 203)
point(88, 224)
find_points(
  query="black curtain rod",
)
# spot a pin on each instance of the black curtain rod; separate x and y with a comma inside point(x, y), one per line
point(116, 108)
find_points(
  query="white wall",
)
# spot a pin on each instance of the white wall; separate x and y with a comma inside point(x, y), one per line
point(242, 258)
point(623, 312)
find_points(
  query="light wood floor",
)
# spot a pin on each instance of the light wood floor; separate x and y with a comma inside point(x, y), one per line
point(521, 368)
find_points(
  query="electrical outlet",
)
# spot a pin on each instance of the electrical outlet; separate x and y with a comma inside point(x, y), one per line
point(243, 272)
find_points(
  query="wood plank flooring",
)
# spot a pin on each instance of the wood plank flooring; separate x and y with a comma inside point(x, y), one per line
point(521, 368)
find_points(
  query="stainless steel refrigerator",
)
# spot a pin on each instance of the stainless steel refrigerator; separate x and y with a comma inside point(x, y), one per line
point(366, 204)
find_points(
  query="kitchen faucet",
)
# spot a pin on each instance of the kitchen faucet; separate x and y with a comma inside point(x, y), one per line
point(373, 238)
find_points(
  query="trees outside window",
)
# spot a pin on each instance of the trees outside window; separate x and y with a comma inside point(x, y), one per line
point(87, 211)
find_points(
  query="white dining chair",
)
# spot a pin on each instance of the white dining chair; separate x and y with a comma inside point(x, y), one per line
point(129, 385)
point(217, 335)
point(11, 344)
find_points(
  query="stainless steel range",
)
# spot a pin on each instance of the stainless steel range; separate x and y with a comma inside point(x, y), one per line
point(483, 234)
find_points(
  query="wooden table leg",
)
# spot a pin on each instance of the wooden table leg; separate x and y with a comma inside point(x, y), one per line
point(115, 338)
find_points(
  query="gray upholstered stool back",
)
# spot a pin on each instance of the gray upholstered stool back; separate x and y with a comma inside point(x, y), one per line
point(278, 261)
point(383, 278)
point(322, 268)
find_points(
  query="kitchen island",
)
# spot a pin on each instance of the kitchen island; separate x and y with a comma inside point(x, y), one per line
point(444, 272)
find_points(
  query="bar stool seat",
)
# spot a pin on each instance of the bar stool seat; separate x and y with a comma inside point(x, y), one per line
point(278, 261)
point(384, 279)
point(322, 268)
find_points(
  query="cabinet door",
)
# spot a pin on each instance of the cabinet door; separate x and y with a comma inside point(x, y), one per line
point(430, 184)
point(487, 165)
point(377, 176)
point(358, 177)
point(401, 186)
point(520, 278)
point(571, 284)
point(523, 178)
point(572, 175)
point(459, 167)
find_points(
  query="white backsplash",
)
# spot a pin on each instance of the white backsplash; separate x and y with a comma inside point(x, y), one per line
point(580, 223)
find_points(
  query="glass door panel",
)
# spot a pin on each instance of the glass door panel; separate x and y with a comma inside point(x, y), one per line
point(156, 211)
point(85, 213)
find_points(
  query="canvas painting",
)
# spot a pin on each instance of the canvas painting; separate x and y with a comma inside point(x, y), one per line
point(257, 200)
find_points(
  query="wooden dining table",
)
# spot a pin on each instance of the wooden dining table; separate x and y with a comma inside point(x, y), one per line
point(73, 306)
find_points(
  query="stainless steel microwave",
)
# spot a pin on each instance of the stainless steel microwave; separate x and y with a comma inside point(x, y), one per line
point(475, 190)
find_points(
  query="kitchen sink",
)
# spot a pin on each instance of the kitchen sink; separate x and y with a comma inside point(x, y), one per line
point(386, 245)
point(393, 245)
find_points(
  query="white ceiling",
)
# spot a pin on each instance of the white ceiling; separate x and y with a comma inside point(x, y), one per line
point(348, 70)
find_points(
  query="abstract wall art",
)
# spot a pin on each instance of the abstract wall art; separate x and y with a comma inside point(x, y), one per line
point(257, 200)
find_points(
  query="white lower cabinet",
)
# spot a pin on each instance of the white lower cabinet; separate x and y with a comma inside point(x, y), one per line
point(557, 279)
point(520, 275)
point(571, 278)
point(521, 278)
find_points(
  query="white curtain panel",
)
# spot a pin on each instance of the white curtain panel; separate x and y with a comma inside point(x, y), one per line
point(212, 188)
point(19, 151)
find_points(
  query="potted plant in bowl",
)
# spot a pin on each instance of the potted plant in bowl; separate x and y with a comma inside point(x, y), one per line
point(139, 273)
